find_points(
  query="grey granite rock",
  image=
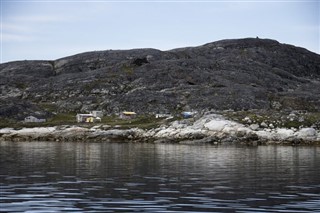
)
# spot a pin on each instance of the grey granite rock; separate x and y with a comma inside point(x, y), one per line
point(238, 74)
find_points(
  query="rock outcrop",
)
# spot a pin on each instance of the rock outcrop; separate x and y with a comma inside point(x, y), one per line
point(238, 74)
point(209, 129)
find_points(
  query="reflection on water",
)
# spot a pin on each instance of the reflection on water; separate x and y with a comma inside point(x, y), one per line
point(127, 177)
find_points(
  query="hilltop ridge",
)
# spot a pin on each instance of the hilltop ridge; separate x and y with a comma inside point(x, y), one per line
point(236, 74)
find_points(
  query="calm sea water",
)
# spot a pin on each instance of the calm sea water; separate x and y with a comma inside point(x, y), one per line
point(127, 177)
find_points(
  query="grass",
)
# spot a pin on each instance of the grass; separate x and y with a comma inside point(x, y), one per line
point(48, 106)
point(127, 69)
point(141, 121)
point(276, 118)
point(62, 119)
point(59, 119)
point(6, 123)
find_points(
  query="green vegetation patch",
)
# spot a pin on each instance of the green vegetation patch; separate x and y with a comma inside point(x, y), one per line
point(141, 121)
point(48, 106)
point(62, 119)
point(276, 119)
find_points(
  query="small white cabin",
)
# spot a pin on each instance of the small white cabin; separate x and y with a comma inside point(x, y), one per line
point(128, 115)
point(97, 114)
point(33, 119)
point(84, 118)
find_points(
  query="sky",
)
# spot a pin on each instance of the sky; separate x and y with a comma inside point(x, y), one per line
point(52, 29)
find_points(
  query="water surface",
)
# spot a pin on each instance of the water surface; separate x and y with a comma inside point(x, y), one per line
point(128, 177)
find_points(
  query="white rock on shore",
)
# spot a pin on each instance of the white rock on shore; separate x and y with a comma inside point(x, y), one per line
point(308, 133)
point(217, 125)
point(208, 126)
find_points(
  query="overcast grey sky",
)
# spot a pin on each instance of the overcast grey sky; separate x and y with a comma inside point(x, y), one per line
point(51, 29)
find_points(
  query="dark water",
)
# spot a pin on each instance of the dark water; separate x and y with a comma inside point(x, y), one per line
point(121, 177)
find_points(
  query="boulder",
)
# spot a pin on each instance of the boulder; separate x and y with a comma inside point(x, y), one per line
point(306, 133)
point(216, 125)
point(283, 134)
point(254, 126)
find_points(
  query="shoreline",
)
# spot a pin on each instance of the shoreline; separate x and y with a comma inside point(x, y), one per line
point(209, 129)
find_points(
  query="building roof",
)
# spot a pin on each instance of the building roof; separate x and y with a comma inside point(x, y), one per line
point(30, 116)
point(129, 113)
point(84, 115)
point(187, 113)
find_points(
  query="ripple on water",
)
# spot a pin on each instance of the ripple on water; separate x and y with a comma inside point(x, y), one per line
point(106, 177)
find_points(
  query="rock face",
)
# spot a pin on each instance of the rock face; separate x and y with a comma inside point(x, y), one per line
point(235, 74)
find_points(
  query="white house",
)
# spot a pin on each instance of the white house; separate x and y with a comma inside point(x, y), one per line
point(84, 118)
point(32, 119)
point(97, 114)
point(128, 115)
point(94, 116)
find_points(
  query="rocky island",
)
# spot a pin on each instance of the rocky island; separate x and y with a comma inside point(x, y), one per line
point(252, 91)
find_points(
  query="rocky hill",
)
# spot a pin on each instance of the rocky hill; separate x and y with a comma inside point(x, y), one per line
point(239, 74)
